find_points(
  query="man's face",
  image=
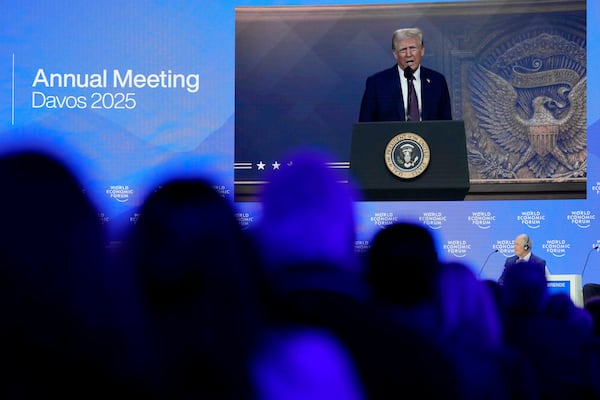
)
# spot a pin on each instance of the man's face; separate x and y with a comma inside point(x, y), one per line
point(518, 247)
point(408, 52)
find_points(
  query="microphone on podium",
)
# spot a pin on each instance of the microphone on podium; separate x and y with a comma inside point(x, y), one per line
point(594, 247)
point(408, 73)
point(485, 262)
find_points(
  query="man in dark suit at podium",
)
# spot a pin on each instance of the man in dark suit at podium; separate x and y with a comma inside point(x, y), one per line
point(391, 95)
point(523, 257)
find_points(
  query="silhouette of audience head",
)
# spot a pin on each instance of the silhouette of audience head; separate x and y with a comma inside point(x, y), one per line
point(187, 242)
point(592, 306)
point(525, 290)
point(47, 214)
point(306, 237)
point(307, 214)
point(195, 270)
point(403, 265)
point(560, 306)
point(56, 326)
point(590, 290)
point(470, 312)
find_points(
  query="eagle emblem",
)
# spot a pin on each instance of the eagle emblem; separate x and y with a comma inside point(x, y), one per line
point(542, 125)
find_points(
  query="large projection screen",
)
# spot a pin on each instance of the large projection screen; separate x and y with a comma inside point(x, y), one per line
point(133, 93)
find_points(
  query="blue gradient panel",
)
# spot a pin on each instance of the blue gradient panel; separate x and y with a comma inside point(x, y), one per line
point(123, 138)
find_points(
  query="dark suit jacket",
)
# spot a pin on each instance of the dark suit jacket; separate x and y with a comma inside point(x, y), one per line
point(382, 98)
point(511, 262)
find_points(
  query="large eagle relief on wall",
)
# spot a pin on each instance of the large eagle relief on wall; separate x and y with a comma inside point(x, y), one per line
point(526, 112)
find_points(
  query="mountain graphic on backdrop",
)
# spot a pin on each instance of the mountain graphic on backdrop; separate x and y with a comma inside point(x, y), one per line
point(111, 152)
point(106, 154)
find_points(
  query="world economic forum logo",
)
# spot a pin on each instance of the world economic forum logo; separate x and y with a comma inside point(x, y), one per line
point(505, 247)
point(582, 218)
point(557, 247)
point(458, 248)
point(383, 219)
point(433, 219)
point(532, 219)
point(361, 246)
point(245, 219)
point(222, 190)
point(482, 219)
point(120, 193)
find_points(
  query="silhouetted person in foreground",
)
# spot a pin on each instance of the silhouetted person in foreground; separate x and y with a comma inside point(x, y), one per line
point(403, 271)
point(306, 237)
point(590, 290)
point(59, 337)
point(564, 356)
point(471, 329)
point(194, 271)
point(592, 306)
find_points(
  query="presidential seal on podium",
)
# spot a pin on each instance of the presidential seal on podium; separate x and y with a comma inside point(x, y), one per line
point(407, 155)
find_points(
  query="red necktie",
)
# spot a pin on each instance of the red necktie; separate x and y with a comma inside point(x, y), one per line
point(413, 102)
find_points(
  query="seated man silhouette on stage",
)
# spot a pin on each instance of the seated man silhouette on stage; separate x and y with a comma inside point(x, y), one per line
point(523, 257)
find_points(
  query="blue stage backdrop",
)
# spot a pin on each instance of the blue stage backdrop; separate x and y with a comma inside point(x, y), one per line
point(131, 93)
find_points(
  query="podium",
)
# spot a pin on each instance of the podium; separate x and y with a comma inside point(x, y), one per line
point(569, 284)
point(396, 160)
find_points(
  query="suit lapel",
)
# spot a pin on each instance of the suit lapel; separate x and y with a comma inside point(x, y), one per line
point(395, 85)
point(425, 91)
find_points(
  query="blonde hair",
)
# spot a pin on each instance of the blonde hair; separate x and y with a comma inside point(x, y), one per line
point(406, 33)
